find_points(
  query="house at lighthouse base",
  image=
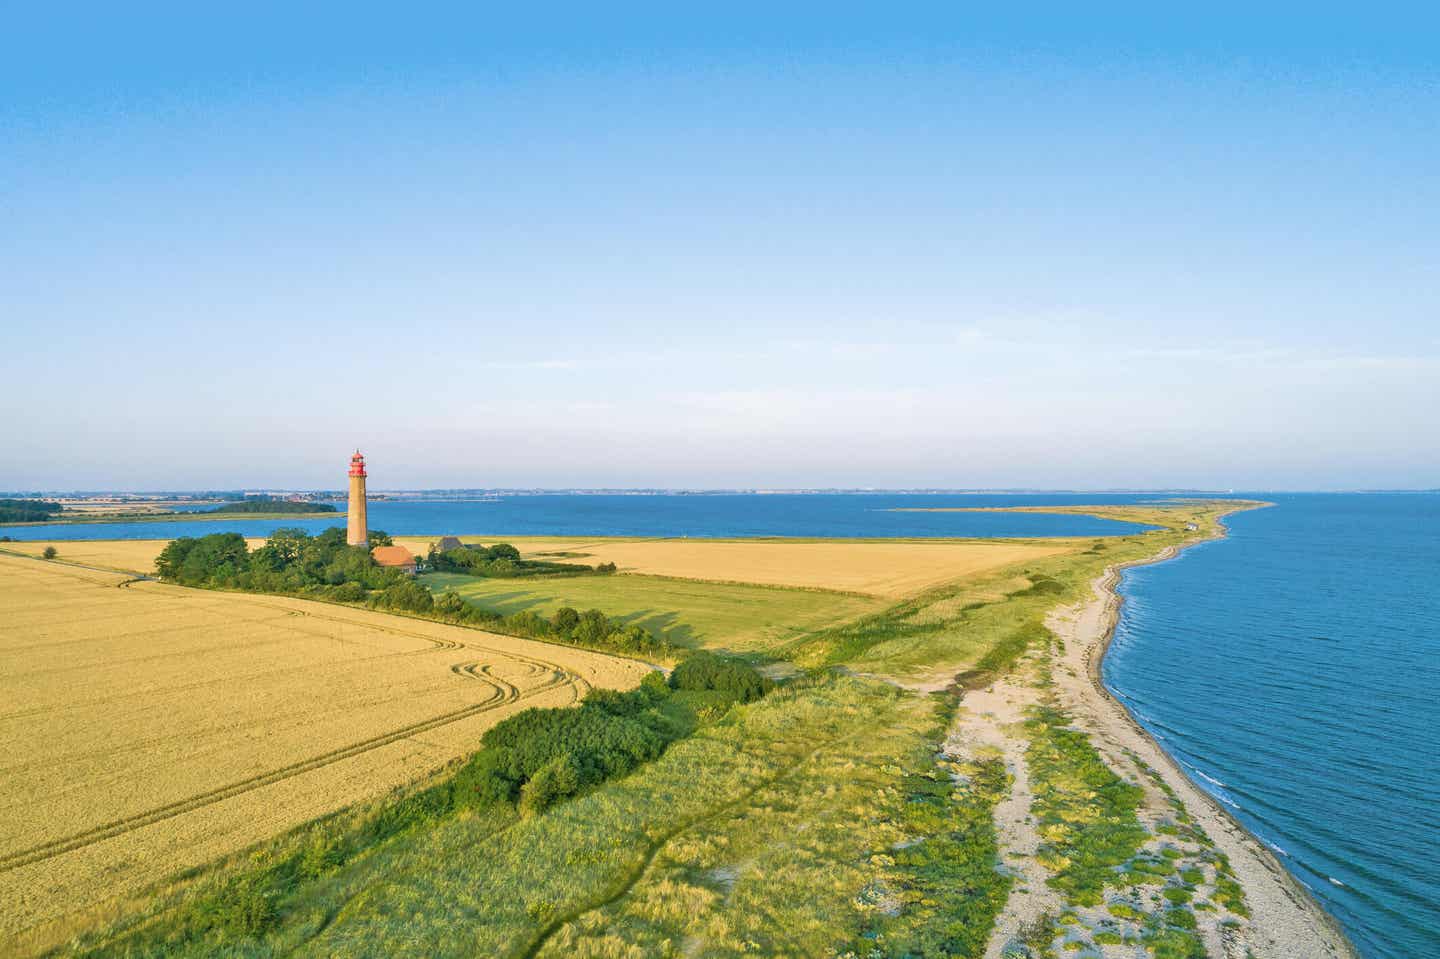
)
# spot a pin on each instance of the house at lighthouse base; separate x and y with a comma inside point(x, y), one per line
point(394, 557)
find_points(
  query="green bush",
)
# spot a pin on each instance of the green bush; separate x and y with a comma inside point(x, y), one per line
point(565, 620)
point(705, 670)
point(451, 603)
point(351, 592)
point(50, 552)
point(406, 595)
point(539, 756)
point(555, 780)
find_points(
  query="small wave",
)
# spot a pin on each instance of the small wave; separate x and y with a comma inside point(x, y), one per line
point(1336, 881)
point(1220, 795)
point(1209, 779)
point(1276, 847)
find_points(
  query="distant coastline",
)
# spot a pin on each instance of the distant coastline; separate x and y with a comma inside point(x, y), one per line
point(189, 516)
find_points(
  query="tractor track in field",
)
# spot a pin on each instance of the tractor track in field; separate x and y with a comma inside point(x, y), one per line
point(503, 693)
point(502, 696)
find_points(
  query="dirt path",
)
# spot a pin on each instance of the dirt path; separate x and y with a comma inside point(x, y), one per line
point(988, 723)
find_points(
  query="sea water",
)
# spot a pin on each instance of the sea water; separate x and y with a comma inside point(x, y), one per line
point(1294, 670)
point(817, 515)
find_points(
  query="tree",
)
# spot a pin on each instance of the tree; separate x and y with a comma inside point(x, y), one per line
point(704, 670)
point(565, 620)
point(50, 552)
point(450, 603)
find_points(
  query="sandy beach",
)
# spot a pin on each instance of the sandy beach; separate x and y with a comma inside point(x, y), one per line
point(1285, 920)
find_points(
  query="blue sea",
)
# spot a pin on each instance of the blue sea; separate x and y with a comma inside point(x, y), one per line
point(1294, 669)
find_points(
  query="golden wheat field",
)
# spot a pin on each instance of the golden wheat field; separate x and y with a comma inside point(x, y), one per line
point(879, 568)
point(890, 569)
point(146, 728)
point(118, 554)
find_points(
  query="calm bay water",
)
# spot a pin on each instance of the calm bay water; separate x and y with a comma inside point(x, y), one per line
point(819, 515)
point(1294, 668)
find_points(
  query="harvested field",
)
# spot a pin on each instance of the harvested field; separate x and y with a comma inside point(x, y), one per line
point(147, 728)
point(885, 568)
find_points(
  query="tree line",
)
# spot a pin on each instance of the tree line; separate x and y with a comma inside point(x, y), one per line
point(323, 566)
point(291, 561)
point(502, 561)
point(28, 510)
point(268, 505)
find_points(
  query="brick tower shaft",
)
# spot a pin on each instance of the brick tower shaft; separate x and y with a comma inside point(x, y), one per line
point(357, 533)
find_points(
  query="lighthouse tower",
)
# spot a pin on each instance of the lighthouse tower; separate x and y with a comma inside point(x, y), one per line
point(357, 533)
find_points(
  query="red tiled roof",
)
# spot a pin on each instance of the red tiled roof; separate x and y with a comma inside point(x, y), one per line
point(392, 556)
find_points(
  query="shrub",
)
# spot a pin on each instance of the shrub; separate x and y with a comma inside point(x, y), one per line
point(349, 592)
point(405, 595)
point(504, 551)
point(555, 780)
point(565, 620)
point(245, 908)
point(540, 756)
point(705, 670)
point(451, 603)
point(50, 552)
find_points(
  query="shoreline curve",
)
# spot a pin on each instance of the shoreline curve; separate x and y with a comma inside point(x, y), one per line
point(1262, 873)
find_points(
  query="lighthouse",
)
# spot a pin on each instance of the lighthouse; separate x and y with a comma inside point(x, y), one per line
point(357, 533)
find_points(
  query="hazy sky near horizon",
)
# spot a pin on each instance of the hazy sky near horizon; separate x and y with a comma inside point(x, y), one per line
point(770, 245)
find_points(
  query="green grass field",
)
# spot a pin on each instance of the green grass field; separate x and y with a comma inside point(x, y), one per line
point(692, 614)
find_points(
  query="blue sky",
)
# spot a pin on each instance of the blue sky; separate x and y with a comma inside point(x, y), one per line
point(854, 245)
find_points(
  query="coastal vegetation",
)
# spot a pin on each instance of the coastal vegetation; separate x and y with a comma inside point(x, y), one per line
point(503, 561)
point(718, 814)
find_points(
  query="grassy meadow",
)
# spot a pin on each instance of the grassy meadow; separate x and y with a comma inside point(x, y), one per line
point(735, 616)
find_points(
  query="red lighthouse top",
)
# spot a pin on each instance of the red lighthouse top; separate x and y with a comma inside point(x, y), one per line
point(357, 464)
